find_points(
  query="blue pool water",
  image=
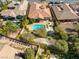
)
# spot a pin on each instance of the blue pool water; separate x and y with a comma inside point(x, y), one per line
point(38, 26)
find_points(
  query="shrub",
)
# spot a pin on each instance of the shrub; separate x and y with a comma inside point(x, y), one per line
point(40, 32)
point(62, 46)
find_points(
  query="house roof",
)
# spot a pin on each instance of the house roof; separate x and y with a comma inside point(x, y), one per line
point(12, 4)
point(13, 13)
point(8, 13)
point(39, 11)
point(19, 10)
point(63, 11)
point(23, 5)
point(74, 6)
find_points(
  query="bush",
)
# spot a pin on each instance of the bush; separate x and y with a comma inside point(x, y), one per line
point(43, 46)
point(27, 37)
point(62, 46)
point(76, 26)
point(40, 32)
point(4, 7)
point(76, 47)
point(18, 36)
point(61, 33)
point(10, 27)
point(29, 53)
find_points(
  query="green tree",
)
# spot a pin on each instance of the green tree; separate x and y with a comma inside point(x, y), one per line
point(31, 21)
point(24, 22)
point(1, 22)
point(73, 52)
point(76, 26)
point(77, 39)
point(3, 5)
point(9, 27)
point(61, 33)
point(62, 46)
point(76, 47)
point(46, 54)
point(29, 53)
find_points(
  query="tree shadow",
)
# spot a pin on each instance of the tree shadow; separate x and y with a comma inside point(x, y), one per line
point(56, 51)
point(7, 18)
point(22, 55)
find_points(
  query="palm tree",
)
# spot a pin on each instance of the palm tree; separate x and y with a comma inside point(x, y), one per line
point(1, 22)
point(24, 22)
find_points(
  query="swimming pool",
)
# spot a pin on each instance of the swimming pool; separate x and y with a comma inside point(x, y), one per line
point(37, 26)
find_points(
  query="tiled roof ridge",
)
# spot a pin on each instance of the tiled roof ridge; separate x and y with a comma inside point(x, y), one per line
point(43, 13)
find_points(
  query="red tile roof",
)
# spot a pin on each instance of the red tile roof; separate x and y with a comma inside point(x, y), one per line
point(37, 12)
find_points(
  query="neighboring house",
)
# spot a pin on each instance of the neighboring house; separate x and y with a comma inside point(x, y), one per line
point(13, 4)
point(75, 8)
point(23, 7)
point(39, 11)
point(64, 13)
point(19, 10)
point(7, 13)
